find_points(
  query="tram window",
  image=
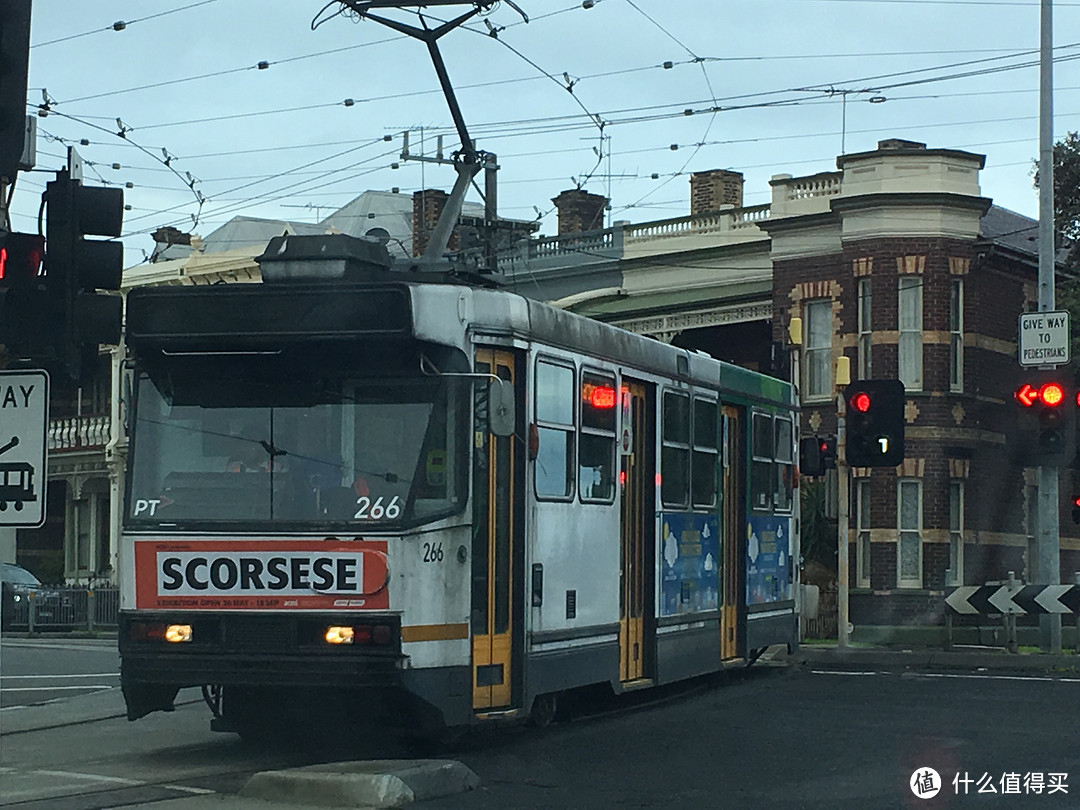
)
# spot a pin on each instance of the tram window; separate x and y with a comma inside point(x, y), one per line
point(761, 466)
point(675, 453)
point(704, 456)
point(784, 467)
point(596, 461)
point(554, 467)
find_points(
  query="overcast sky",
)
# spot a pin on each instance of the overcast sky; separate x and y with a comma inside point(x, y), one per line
point(281, 142)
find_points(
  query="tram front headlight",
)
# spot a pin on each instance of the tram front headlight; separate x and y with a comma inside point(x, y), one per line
point(178, 633)
point(339, 635)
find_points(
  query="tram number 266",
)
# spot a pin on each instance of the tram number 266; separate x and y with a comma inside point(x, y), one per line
point(433, 552)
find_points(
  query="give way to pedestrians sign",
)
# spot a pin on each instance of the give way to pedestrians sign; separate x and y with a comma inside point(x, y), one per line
point(24, 415)
point(1044, 339)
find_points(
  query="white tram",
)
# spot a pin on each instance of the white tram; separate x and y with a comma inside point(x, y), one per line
point(431, 503)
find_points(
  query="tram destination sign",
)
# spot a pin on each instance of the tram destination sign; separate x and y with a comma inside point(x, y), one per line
point(24, 415)
point(1044, 339)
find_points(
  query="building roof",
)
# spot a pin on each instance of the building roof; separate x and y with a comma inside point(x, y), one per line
point(252, 233)
point(391, 211)
point(1010, 229)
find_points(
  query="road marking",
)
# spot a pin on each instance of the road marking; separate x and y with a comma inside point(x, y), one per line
point(1042, 678)
point(186, 789)
point(35, 677)
point(1045, 678)
point(55, 688)
point(91, 777)
point(119, 780)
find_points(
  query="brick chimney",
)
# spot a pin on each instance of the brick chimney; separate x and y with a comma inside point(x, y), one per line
point(580, 211)
point(709, 190)
point(170, 243)
point(427, 207)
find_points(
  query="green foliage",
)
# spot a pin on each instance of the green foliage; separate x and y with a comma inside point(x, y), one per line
point(1067, 225)
point(818, 538)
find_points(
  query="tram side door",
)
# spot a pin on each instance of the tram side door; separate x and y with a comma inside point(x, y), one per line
point(637, 481)
point(495, 537)
point(732, 519)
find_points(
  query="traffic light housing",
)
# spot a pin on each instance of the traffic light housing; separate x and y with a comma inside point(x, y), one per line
point(1047, 419)
point(816, 455)
point(811, 461)
point(875, 423)
point(77, 267)
point(14, 62)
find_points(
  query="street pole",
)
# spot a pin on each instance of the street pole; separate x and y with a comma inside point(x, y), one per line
point(842, 635)
point(1049, 568)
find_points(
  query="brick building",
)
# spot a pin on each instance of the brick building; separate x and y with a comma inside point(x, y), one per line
point(912, 274)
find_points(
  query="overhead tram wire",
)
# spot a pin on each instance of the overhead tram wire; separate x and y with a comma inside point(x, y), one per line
point(286, 173)
point(122, 25)
point(708, 83)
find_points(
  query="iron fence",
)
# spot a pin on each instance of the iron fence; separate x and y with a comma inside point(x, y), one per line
point(61, 608)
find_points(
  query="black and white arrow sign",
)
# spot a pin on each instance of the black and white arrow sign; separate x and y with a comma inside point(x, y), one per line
point(984, 599)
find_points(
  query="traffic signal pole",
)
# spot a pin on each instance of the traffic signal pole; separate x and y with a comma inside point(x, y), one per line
point(1048, 544)
point(842, 509)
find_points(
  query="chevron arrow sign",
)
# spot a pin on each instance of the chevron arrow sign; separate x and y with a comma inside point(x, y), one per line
point(985, 599)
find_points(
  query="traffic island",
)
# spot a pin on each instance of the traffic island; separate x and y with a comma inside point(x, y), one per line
point(375, 783)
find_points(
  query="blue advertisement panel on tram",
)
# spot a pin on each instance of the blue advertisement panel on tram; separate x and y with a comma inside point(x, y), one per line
point(691, 562)
point(768, 554)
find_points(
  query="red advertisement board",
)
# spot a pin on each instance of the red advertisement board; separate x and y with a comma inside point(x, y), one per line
point(261, 575)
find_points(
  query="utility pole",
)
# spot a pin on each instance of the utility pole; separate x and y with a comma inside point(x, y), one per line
point(1049, 544)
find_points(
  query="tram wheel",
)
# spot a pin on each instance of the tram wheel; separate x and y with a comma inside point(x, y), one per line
point(18, 506)
point(3, 506)
point(543, 710)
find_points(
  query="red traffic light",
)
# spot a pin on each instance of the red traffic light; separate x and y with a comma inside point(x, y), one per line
point(861, 402)
point(20, 257)
point(1051, 393)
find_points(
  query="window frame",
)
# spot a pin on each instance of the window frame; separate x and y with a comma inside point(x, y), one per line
point(956, 533)
point(570, 430)
point(864, 292)
point(701, 450)
point(598, 432)
point(675, 445)
point(770, 467)
point(863, 502)
point(813, 354)
point(909, 350)
point(956, 335)
point(901, 530)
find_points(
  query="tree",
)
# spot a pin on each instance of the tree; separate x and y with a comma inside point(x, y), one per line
point(1067, 226)
point(1067, 195)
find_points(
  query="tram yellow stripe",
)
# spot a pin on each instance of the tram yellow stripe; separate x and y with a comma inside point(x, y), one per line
point(434, 632)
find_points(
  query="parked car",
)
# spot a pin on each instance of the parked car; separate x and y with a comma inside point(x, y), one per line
point(16, 585)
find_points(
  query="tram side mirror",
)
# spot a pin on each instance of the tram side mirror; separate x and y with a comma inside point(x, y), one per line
point(501, 415)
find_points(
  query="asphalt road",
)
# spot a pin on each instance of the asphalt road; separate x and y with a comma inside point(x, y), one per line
point(785, 737)
point(43, 669)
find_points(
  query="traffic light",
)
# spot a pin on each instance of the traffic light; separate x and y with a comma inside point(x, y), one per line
point(76, 267)
point(828, 451)
point(1076, 509)
point(24, 304)
point(810, 459)
point(14, 59)
point(1047, 419)
point(817, 454)
point(875, 423)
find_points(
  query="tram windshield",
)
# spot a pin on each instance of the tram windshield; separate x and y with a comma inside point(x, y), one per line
point(228, 445)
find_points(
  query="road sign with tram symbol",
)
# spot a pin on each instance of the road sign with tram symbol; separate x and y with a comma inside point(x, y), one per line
point(24, 414)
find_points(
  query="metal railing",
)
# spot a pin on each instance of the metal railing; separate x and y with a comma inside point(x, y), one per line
point(62, 608)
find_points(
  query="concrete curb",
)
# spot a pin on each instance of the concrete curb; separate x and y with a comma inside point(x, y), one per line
point(376, 783)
